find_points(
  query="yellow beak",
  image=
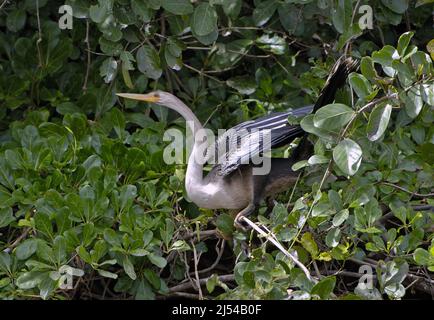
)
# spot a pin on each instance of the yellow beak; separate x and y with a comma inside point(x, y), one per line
point(141, 97)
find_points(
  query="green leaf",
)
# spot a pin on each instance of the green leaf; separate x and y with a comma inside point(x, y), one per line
point(422, 2)
point(341, 16)
point(340, 217)
point(378, 121)
point(291, 18)
point(317, 159)
point(26, 249)
point(385, 57)
point(118, 121)
point(360, 85)
point(204, 20)
point(5, 262)
point(211, 283)
point(422, 257)
point(141, 9)
point(6, 177)
point(367, 68)
point(324, 288)
point(333, 237)
point(430, 47)
point(108, 69)
point(397, 6)
point(243, 84)
point(29, 280)
point(139, 252)
point(6, 217)
point(348, 156)
point(232, 8)
point(127, 195)
point(308, 242)
point(148, 62)
point(404, 41)
point(307, 125)
point(179, 7)
point(129, 268)
point(208, 38)
point(107, 274)
point(98, 13)
point(274, 44)
point(264, 11)
point(413, 102)
point(299, 164)
point(159, 261)
point(333, 116)
point(225, 224)
point(16, 20)
point(427, 91)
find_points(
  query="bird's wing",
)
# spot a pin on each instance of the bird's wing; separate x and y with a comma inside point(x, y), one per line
point(240, 144)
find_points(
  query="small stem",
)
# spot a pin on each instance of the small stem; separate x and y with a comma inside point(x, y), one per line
point(273, 240)
point(38, 42)
point(420, 195)
point(86, 40)
point(196, 262)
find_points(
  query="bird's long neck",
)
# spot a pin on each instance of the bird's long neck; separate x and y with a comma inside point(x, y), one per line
point(194, 173)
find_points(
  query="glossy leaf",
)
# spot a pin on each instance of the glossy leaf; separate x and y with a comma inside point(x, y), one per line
point(333, 116)
point(348, 155)
point(378, 121)
point(204, 20)
point(148, 62)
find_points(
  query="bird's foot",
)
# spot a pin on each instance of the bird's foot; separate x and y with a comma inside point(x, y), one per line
point(240, 223)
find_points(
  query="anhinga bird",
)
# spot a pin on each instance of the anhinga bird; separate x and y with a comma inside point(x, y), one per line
point(231, 183)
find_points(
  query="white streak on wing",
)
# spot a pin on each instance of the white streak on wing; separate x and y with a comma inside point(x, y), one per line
point(233, 154)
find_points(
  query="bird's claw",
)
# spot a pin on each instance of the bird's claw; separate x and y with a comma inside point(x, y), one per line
point(240, 224)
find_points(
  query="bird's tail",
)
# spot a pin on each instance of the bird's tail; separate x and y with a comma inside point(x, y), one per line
point(342, 68)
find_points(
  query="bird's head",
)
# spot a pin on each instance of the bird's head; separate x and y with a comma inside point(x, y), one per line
point(161, 98)
point(168, 100)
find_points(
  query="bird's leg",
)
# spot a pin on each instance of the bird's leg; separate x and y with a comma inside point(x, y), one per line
point(238, 222)
point(270, 205)
point(258, 187)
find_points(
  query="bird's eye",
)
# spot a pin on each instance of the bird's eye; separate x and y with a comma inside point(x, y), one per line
point(156, 95)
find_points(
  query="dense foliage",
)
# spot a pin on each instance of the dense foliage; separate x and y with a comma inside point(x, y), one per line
point(84, 193)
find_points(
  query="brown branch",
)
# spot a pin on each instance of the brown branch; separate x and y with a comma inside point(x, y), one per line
point(413, 193)
point(201, 234)
point(217, 260)
point(18, 240)
point(188, 285)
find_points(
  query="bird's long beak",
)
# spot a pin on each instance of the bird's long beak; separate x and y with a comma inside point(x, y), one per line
point(141, 97)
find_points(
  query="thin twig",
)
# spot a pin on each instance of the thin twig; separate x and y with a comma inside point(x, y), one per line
point(271, 237)
point(188, 285)
point(18, 240)
point(86, 40)
point(187, 295)
point(217, 260)
point(4, 3)
point(196, 262)
point(38, 42)
point(203, 73)
point(421, 195)
point(352, 21)
point(201, 234)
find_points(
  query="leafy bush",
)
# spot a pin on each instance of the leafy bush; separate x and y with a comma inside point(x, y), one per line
point(83, 190)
